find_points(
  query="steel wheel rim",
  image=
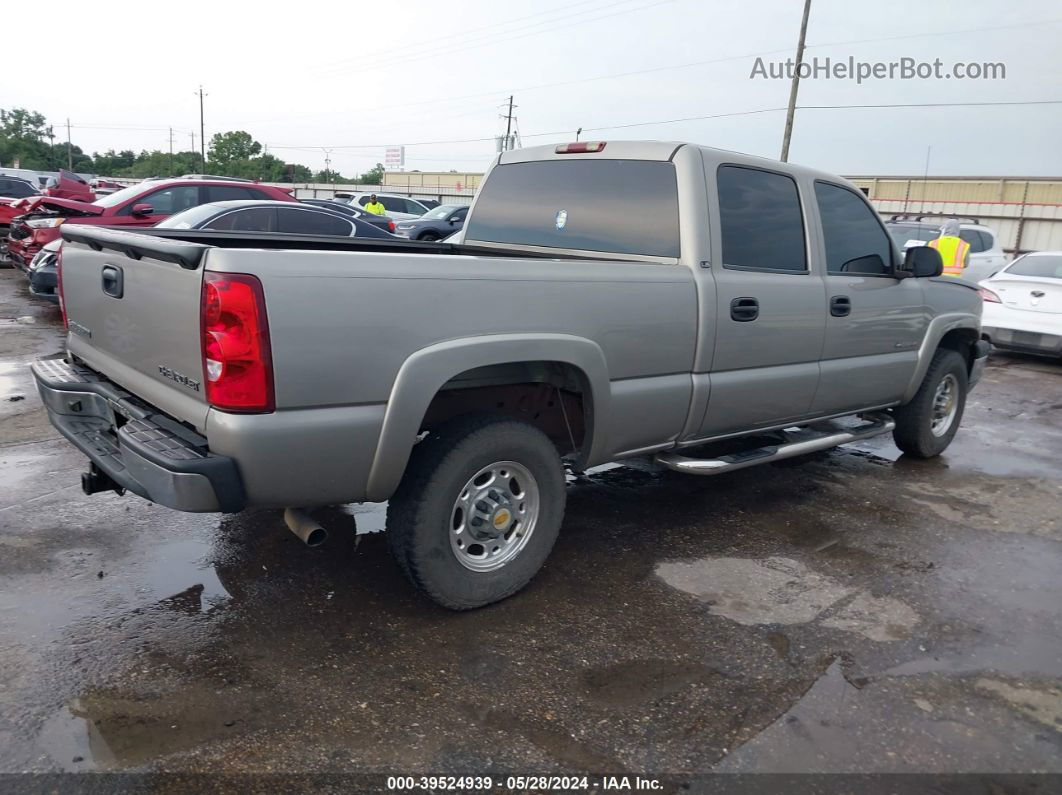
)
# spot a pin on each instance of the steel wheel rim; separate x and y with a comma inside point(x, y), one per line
point(945, 405)
point(494, 515)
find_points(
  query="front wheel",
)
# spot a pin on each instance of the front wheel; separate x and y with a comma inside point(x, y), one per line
point(926, 425)
point(428, 237)
point(478, 510)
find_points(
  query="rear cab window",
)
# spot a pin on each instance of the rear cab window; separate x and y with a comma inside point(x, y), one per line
point(613, 206)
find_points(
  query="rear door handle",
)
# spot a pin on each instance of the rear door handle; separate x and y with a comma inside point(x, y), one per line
point(744, 309)
point(840, 306)
point(113, 281)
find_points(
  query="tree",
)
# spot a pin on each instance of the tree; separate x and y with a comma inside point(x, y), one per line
point(230, 147)
point(374, 176)
point(327, 175)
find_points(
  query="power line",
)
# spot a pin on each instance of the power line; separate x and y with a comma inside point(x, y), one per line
point(698, 118)
point(687, 65)
point(464, 46)
point(462, 33)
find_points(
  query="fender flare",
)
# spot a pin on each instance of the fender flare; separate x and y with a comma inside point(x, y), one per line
point(938, 327)
point(422, 375)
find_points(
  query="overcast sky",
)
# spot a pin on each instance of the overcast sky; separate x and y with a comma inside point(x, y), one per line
point(357, 76)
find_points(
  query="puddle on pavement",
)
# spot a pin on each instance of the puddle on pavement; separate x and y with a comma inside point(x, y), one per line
point(181, 576)
point(785, 591)
point(816, 727)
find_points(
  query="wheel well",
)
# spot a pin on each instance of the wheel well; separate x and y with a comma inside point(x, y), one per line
point(961, 340)
point(553, 396)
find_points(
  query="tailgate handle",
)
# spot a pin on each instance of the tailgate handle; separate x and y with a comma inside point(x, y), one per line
point(113, 281)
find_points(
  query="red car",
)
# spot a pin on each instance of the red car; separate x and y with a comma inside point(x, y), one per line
point(144, 204)
point(69, 186)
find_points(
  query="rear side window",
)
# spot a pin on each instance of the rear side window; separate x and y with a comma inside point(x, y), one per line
point(310, 222)
point(762, 224)
point(16, 188)
point(224, 193)
point(617, 206)
point(978, 240)
point(253, 219)
point(855, 241)
point(1040, 266)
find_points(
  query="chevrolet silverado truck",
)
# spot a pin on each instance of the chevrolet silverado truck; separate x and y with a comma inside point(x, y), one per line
point(604, 301)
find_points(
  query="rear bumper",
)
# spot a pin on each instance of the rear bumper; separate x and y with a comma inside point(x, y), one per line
point(1024, 341)
point(138, 448)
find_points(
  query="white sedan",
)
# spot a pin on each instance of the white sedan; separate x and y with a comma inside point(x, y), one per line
point(1023, 305)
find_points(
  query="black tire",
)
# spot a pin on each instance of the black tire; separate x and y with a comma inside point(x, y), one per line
point(429, 237)
point(420, 513)
point(914, 421)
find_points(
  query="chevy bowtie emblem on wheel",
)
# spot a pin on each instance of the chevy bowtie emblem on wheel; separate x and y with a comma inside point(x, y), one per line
point(562, 218)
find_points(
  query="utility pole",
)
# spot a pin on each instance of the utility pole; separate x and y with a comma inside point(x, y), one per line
point(69, 148)
point(578, 133)
point(51, 146)
point(171, 151)
point(203, 131)
point(509, 125)
point(791, 111)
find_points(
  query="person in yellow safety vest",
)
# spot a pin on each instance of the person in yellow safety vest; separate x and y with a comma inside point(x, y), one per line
point(954, 251)
point(375, 207)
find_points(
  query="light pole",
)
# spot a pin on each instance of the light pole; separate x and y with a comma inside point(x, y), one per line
point(794, 87)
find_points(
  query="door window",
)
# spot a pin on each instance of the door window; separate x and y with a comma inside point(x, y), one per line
point(855, 239)
point(167, 201)
point(253, 219)
point(311, 222)
point(762, 224)
point(459, 216)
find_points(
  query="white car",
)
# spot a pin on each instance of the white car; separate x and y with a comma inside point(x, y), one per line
point(1023, 305)
point(401, 208)
point(986, 254)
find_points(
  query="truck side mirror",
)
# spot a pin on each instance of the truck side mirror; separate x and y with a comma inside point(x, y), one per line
point(142, 209)
point(922, 262)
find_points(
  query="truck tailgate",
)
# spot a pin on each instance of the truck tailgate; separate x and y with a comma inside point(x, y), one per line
point(133, 306)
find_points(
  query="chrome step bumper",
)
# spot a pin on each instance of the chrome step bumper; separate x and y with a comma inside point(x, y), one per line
point(803, 440)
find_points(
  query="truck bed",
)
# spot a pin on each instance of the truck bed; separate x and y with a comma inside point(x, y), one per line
point(156, 243)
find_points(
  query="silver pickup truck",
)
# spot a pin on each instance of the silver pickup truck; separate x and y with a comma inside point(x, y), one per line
point(604, 301)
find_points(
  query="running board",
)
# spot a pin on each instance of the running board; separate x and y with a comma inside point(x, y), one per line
point(800, 441)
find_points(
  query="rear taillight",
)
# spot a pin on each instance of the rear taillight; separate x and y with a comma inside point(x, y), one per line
point(391, 226)
point(59, 284)
point(237, 361)
point(579, 147)
point(988, 296)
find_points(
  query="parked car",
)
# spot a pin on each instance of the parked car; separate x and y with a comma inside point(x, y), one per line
point(986, 253)
point(105, 187)
point(68, 185)
point(16, 188)
point(604, 302)
point(398, 207)
point(143, 204)
point(384, 222)
point(435, 224)
point(268, 216)
point(12, 190)
point(43, 273)
point(1023, 305)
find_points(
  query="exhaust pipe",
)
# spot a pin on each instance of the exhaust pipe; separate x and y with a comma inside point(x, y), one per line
point(305, 527)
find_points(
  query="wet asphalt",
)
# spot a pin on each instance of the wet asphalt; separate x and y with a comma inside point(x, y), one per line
point(852, 611)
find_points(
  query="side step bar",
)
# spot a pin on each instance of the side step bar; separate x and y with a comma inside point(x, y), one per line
point(809, 439)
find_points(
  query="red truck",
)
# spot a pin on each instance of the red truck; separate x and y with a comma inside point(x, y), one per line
point(144, 204)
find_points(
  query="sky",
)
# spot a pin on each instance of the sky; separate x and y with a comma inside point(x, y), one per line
point(345, 80)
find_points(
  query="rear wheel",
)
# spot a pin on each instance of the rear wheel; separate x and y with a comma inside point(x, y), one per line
point(428, 236)
point(926, 425)
point(478, 510)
